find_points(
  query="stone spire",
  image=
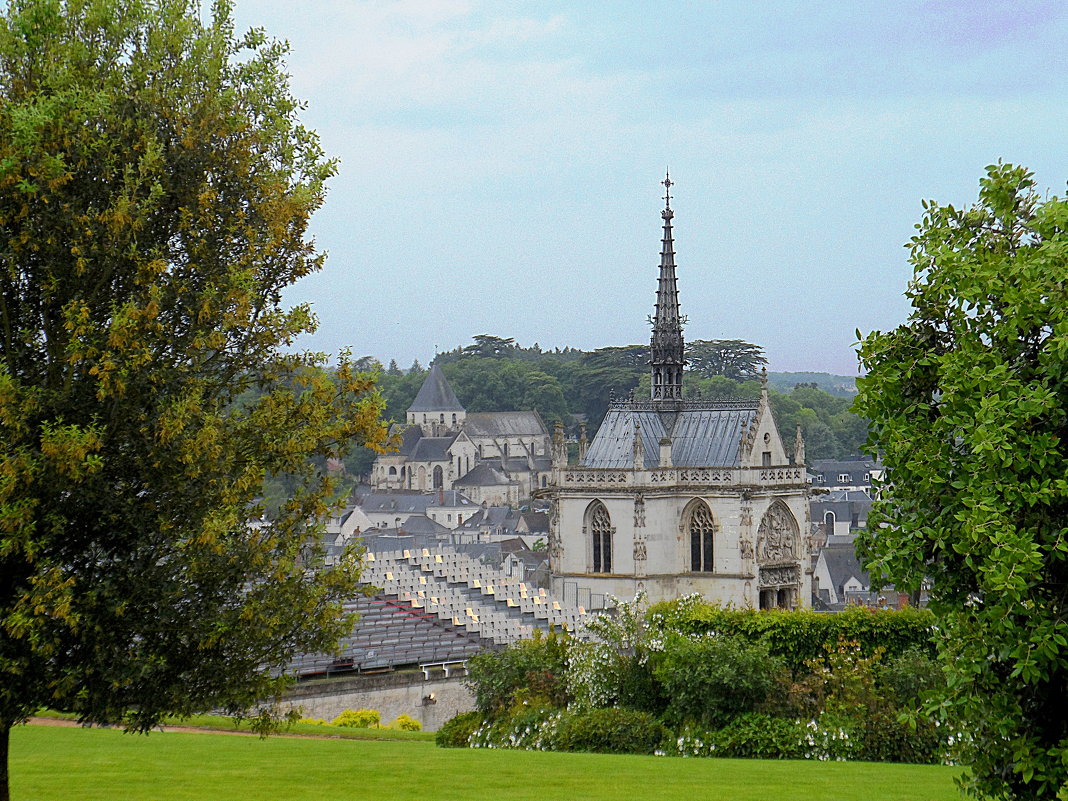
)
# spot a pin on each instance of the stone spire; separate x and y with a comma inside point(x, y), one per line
point(667, 356)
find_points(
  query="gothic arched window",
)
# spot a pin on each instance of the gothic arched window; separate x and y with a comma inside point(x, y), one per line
point(599, 526)
point(439, 478)
point(701, 529)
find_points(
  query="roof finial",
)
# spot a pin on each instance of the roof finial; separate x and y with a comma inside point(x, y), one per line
point(667, 182)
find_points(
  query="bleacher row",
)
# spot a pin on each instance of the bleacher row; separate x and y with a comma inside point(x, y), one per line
point(461, 591)
point(390, 633)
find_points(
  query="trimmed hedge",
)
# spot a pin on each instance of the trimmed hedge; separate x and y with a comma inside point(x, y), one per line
point(799, 636)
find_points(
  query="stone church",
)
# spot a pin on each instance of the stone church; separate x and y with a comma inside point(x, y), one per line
point(498, 458)
point(681, 495)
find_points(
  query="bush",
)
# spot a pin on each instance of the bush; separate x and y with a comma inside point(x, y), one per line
point(886, 738)
point(613, 730)
point(358, 719)
point(530, 670)
point(314, 721)
point(710, 679)
point(406, 723)
point(457, 731)
point(758, 736)
point(909, 676)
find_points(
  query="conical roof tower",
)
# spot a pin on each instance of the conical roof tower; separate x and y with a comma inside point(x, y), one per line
point(436, 394)
point(667, 356)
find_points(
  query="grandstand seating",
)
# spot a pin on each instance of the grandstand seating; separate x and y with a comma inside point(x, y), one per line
point(435, 608)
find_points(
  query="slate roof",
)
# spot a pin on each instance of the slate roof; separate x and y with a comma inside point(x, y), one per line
point(502, 517)
point(700, 437)
point(410, 436)
point(536, 521)
point(505, 424)
point(411, 502)
point(431, 449)
point(436, 394)
point(842, 563)
point(482, 475)
point(858, 471)
point(519, 464)
point(420, 524)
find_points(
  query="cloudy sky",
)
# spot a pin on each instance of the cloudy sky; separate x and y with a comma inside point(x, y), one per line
point(500, 161)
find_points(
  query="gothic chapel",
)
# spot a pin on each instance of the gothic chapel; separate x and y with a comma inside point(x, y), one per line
point(676, 496)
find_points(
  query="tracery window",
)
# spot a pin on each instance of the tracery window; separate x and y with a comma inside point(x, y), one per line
point(702, 530)
point(600, 529)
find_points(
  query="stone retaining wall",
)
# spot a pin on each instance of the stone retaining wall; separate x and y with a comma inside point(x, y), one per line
point(431, 702)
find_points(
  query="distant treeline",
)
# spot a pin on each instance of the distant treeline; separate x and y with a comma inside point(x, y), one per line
point(571, 385)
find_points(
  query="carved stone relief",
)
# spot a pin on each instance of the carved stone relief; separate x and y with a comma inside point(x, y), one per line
point(777, 535)
point(786, 575)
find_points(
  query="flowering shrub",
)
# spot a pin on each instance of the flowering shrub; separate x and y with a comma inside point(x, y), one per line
point(457, 731)
point(614, 667)
point(358, 719)
point(733, 680)
point(528, 727)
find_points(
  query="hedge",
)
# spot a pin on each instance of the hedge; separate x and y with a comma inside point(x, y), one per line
point(798, 636)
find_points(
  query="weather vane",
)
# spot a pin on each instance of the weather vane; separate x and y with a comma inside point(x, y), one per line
point(667, 188)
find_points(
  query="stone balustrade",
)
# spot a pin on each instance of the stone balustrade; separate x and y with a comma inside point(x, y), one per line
point(585, 477)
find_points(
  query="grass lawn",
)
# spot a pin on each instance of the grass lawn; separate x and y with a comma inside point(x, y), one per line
point(105, 764)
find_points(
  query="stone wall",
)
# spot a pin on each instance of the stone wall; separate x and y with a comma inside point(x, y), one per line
point(431, 702)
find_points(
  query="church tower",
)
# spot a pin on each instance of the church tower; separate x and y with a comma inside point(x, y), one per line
point(667, 349)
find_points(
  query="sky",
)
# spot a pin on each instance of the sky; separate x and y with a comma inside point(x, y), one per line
point(500, 162)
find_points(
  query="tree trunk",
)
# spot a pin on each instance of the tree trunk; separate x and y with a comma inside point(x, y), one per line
point(5, 737)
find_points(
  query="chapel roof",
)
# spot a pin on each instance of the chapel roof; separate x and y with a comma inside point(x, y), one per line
point(702, 433)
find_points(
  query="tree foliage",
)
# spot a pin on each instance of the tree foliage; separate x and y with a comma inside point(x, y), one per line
point(731, 358)
point(155, 189)
point(968, 403)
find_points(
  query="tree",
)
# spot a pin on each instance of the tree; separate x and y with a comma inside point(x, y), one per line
point(155, 189)
point(489, 346)
point(968, 403)
point(733, 358)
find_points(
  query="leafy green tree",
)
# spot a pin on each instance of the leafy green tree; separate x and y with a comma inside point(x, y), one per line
point(732, 358)
point(155, 190)
point(968, 403)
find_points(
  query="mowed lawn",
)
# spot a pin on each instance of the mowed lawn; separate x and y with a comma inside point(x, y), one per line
point(52, 762)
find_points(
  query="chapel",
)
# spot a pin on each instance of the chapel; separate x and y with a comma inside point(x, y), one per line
point(679, 495)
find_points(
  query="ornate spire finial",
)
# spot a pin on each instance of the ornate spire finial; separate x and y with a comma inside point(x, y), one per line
point(667, 348)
